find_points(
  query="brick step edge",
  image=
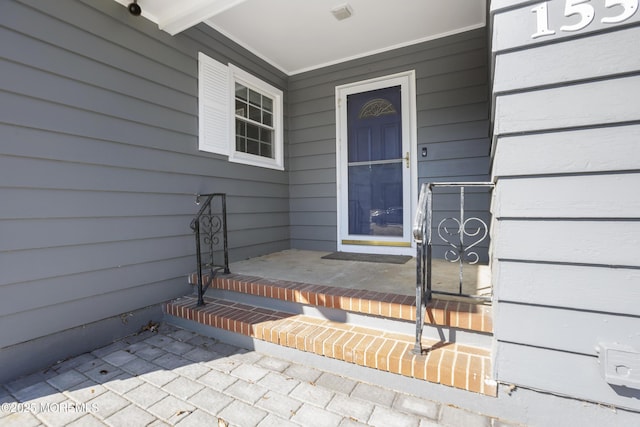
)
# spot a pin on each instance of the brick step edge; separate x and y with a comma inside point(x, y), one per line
point(440, 312)
point(463, 367)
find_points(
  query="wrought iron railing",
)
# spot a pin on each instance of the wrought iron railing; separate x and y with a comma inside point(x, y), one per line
point(209, 225)
point(461, 237)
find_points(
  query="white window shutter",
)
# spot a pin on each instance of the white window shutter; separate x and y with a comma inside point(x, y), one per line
point(213, 105)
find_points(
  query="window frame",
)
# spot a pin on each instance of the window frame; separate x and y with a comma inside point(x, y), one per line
point(238, 75)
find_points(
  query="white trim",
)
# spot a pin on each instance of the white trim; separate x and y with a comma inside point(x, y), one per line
point(346, 58)
point(249, 48)
point(277, 162)
point(184, 18)
point(384, 49)
point(407, 81)
point(213, 106)
point(216, 112)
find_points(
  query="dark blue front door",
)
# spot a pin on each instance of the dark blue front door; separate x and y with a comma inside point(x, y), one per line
point(375, 162)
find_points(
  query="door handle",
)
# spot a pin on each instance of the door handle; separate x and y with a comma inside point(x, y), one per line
point(406, 159)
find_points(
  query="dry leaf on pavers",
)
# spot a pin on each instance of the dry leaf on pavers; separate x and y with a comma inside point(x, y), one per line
point(151, 326)
point(222, 423)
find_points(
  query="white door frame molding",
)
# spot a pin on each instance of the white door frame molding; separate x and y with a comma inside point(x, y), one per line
point(379, 244)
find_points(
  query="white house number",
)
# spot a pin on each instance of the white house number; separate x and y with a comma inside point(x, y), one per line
point(586, 12)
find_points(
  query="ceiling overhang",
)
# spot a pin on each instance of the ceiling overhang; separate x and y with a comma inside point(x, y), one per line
point(297, 36)
point(176, 16)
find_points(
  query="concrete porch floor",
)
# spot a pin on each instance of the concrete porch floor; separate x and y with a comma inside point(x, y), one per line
point(309, 267)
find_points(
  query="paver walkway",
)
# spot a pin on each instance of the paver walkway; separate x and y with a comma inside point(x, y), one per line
point(176, 377)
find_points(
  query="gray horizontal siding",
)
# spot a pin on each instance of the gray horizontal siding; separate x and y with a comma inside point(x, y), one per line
point(570, 197)
point(601, 102)
point(453, 124)
point(596, 288)
point(99, 165)
point(562, 329)
point(454, 167)
point(569, 240)
point(462, 149)
point(515, 26)
point(566, 238)
point(590, 150)
point(455, 53)
point(566, 373)
point(84, 311)
point(40, 233)
point(320, 190)
point(617, 53)
point(63, 289)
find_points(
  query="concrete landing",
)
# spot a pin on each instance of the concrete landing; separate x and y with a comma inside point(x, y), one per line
point(309, 267)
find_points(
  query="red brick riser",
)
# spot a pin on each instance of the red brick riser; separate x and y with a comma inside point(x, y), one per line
point(453, 314)
point(449, 364)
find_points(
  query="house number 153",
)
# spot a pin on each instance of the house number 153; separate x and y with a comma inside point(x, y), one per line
point(585, 11)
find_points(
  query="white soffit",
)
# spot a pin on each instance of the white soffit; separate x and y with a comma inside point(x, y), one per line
point(302, 35)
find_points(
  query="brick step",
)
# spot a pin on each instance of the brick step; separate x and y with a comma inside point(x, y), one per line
point(440, 312)
point(450, 364)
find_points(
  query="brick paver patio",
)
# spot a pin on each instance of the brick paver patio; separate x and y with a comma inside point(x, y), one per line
point(176, 377)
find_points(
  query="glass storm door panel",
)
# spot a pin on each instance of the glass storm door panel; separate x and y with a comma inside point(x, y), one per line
point(375, 163)
point(375, 136)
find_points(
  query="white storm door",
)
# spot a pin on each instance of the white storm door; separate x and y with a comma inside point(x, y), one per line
point(376, 173)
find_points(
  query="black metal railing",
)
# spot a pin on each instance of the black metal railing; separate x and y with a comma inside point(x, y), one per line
point(209, 224)
point(461, 237)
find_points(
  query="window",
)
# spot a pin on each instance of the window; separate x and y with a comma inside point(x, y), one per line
point(239, 115)
point(257, 121)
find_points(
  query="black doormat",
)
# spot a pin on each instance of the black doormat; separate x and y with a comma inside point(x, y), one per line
point(350, 256)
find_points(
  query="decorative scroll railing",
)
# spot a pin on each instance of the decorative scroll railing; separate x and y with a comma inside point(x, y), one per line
point(460, 235)
point(210, 228)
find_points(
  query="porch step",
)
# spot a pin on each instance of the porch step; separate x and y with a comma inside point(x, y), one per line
point(440, 312)
point(374, 331)
point(455, 365)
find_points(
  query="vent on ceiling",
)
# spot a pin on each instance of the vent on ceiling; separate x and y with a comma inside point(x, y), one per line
point(342, 12)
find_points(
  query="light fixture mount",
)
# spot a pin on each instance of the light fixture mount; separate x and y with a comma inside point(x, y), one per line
point(342, 11)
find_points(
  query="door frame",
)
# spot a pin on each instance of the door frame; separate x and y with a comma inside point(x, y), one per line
point(381, 245)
